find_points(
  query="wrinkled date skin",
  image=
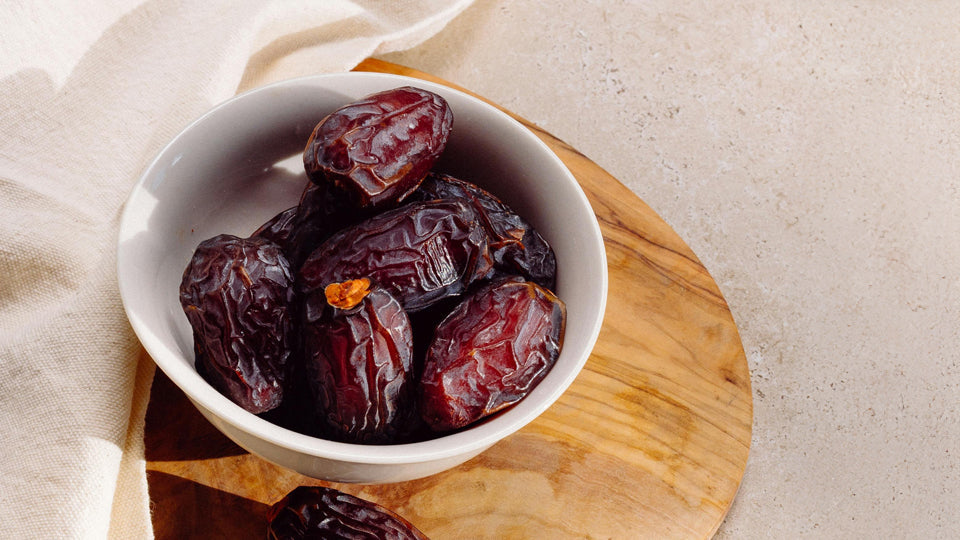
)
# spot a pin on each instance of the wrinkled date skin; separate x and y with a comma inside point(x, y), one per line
point(490, 352)
point(392, 304)
point(379, 148)
point(358, 365)
point(298, 230)
point(516, 247)
point(322, 513)
point(237, 294)
point(279, 228)
point(420, 252)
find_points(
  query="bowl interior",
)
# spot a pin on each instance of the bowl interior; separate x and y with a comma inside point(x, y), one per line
point(240, 164)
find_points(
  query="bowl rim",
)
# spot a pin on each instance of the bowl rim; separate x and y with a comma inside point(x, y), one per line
point(205, 398)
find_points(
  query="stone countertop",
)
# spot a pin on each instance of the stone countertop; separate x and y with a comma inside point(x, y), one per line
point(809, 154)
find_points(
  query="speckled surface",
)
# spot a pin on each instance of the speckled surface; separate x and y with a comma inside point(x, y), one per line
point(809, 153)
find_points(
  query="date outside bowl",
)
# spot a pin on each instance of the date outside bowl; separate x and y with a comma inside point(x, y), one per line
point(241, 163)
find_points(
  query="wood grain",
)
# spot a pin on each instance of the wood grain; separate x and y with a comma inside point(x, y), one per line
point(650, 441)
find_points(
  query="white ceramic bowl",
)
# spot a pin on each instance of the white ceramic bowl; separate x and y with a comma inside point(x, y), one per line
point(240, 164)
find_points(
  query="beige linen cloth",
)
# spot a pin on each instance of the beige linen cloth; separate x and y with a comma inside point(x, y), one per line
point(90, 92)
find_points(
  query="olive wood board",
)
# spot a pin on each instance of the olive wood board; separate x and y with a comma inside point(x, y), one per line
point(650, 441)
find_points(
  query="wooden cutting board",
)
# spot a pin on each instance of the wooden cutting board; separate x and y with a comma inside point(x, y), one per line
point(650, 441)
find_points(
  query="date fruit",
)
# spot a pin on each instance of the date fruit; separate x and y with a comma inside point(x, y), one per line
point(490, 352)
point(379, 148)
point(420, 253)
point(325, 513)
point(300, 229)
point(359, 354)
point(237, 294)
point(516, 247)
point(279, 228)
point(392, 304)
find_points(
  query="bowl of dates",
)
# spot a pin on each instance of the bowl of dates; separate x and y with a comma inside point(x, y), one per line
point(362, 277)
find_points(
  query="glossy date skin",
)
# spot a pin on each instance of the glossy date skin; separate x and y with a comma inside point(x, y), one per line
point(279, 228)
point(420, 253)
point(268, 336)
point(321, 211)
point(321, 512)
point(359, 368)
point(237, 294)
point(490, 352)
point(516, 247)
point(379, 148)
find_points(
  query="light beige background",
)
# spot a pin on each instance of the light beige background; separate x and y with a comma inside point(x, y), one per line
point(809, 153)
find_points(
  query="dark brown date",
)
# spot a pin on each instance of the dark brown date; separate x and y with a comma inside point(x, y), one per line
point(279, 228)
point(516, 247)
point(488, 354)
point(420, 252)
point(298, 230)
point(237, 294)
point(379, 148)
point(359, 354)
point(325, 513)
